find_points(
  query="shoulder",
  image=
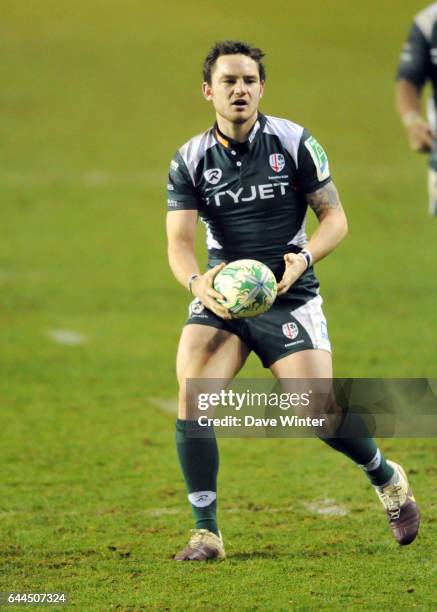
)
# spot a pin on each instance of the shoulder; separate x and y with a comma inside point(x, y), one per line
point(193, 151)
point(426, 20)
point(283, 127)
point(288, 132)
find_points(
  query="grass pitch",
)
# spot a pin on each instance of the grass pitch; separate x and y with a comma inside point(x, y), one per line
point(95, 99)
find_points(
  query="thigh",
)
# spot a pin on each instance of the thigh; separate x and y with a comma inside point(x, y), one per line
point(206, 352)
point(313, 369)
point(312, 363)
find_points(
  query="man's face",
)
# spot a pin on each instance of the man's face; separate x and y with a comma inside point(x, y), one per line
point(235, 88)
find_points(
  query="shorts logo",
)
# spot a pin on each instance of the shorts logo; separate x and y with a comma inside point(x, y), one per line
point(277, 162)
point(324, 330)
point(195, 308)
point(213, 176)
point(174, 165)
point(290, 330)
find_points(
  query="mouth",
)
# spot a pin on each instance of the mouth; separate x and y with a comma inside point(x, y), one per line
point(240, 104)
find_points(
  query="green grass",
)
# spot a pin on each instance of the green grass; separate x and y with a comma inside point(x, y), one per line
point(96, 97)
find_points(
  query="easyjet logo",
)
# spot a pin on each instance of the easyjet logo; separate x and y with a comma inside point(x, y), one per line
point(249, 193)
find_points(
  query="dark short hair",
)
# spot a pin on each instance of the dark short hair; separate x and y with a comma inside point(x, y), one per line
point(232, 47)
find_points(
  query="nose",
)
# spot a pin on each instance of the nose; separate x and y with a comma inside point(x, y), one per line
point(240, 87)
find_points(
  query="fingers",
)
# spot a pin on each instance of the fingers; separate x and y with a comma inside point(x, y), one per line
point(283, 287)
point(285, 283)
point(215, 270)
point(209, 277)
point(211, 292)
point(294, 267)
point(421, 147)
point(203, 289)
point(421, 137)
point(290, 258)
point(218, 309)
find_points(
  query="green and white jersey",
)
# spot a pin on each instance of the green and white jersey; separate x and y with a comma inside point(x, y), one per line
point(418, 61)
point(251, 196)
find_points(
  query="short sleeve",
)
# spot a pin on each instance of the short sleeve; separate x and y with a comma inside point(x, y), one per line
point(414, 64)
point(181, 192)
point(313, 166)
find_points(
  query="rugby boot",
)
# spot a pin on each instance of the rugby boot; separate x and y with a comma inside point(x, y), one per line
point(204, 545)
point(401, 507)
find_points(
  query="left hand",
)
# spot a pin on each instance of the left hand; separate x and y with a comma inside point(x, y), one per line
point(295, 266)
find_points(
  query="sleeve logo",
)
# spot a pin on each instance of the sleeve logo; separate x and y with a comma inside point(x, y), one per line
point(319, 156)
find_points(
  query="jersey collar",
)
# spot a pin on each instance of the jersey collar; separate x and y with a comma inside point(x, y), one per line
point(229, 143)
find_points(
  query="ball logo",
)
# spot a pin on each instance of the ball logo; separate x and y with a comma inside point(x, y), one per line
point(290, 330)
point(213, 176)
point(277, 162)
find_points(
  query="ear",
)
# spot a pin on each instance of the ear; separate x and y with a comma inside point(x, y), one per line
point(261, 93)
point(207, 91)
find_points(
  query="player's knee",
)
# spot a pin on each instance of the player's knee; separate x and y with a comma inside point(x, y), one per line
point(191, 390)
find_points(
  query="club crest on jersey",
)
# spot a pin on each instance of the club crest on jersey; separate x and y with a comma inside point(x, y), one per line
point(290, 330)
point(277, 162)
point(213, 176)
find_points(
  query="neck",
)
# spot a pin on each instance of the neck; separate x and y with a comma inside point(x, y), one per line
point(236, 131)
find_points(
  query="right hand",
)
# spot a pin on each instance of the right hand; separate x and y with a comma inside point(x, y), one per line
point(420, 136)
point(202, 288)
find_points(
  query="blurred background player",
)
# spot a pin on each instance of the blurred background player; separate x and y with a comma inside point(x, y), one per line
point(251, 178)
point(418, 64)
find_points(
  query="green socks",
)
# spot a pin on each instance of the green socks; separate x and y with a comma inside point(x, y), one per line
point(358, 445)
point(199, 460)
point(198, 456)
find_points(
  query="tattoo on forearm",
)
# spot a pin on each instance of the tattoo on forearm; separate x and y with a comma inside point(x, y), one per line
point(324, 199)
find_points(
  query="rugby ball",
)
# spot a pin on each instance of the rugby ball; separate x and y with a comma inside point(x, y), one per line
point(249, 287)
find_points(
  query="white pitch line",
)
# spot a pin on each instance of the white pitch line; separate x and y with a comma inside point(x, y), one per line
point(170, 406)
point(328, 507)
point(163, 511)
point(67, 337)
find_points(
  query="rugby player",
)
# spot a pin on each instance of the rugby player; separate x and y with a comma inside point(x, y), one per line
point(250, 178)
point(417, 65)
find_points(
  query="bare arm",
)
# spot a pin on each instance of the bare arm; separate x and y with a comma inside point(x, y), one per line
point(408, 104)
point(181, 232)
point(330, 232)
point(332, 226)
